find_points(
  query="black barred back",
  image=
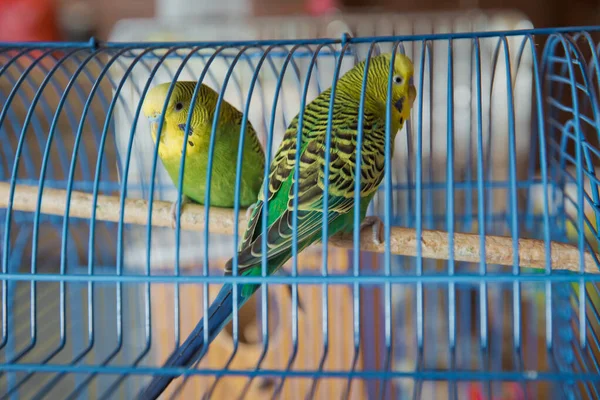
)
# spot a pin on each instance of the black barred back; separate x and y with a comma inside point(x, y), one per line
point(343, 149)
point(344, 134)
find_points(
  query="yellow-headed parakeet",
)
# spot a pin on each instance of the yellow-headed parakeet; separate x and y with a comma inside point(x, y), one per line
point(227, 138)
point(280, 186)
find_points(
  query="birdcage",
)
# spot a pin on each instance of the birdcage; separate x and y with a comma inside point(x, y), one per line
point(490, 196)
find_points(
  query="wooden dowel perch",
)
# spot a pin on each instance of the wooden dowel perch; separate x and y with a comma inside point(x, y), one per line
point(498, 249)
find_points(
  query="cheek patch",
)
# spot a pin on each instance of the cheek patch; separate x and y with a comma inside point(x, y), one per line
point(399, 104)
point(182, 127)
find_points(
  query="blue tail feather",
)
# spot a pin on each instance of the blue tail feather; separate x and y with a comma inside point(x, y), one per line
point(219, 314)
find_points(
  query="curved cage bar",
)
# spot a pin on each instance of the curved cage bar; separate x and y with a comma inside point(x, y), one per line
point(98, 290)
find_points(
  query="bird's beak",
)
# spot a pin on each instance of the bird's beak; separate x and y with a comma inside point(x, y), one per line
point(153, 118)
point(412, 94)
point(412, 91)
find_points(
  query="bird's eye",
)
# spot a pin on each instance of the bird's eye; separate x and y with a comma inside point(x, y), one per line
point(179, 106)
point(397, 80)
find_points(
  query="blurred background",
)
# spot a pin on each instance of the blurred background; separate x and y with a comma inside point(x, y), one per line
point(78, 19)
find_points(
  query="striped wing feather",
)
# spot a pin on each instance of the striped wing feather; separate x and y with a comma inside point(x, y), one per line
point(342, 161)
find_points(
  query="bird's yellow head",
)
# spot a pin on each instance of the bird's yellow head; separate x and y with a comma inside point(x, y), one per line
point(175, 117)
point(403, 89)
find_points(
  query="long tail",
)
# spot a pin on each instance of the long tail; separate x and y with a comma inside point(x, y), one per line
point(220, 313)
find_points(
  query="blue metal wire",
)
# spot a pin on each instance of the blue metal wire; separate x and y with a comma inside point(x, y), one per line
point(119, 317)
point(269, 148)
point(450, 211)
point(294, 214)
point(457, 323)
point(356, 233)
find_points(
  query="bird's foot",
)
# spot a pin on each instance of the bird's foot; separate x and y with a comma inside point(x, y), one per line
point(376, 224)
point(174, 206)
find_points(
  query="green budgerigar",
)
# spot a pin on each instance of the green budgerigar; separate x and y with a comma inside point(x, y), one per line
point(311, 185)
point(227, 138)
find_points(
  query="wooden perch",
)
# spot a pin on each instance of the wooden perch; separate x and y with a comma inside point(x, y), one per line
point(498, 249)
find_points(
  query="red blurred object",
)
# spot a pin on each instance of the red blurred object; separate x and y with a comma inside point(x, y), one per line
point(28, 21)
point(510, 391)
point(319, 7)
